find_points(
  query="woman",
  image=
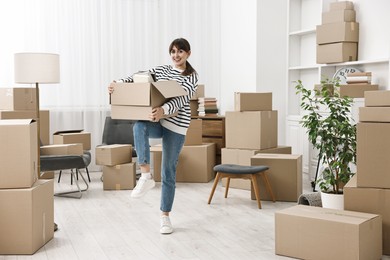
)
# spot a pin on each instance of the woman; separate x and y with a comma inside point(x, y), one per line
point(172, 130)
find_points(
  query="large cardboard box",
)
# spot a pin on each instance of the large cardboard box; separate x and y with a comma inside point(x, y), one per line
point(195, 163)
point(62, 149)
point(337, 32)
point(135, 101)
point(356, 90)
point(341, 5)
point(284, 175)
point(306, 232)
point(18, 99)
point(374, 114)
point(18, 153)
point(252, 101)
point(372, 155)
point(194, 133)
point(340, 15)
point(44, 117)
point(370, 200)
point(113, 154)
point(26, 218)
point(337, 52)
point(119, 177)
point(379, 98)
point(243, 157)
point(199, 92)
point(251, 129)
point(72, 137)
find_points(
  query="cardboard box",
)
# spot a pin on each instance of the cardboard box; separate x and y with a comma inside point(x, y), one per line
point(374, 114)
point(113, 154)
point(356, 90)
point(307, 232)
point(337, 52)
point(251, 129)
point(145, 94)
point(372, 155)
point(133, 112)
point(119, 177)
point(194, 133)
point(194, 105)
point(243, 157)
point(26, 218)
point(62, 149)
point(284, 175)
point(18, 99)
point(195, 163)
point(337, 32)
point(18, 153)
point(72, 137)
point(44, 116)
point(378, 98)
point(370, 200)
point(340, 15)
point(254, 101)
point(199, 93)
point(341, 5)
point(47, 175)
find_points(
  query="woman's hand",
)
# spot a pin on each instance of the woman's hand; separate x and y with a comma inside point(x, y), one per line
point(157, 114)
point(111, 88)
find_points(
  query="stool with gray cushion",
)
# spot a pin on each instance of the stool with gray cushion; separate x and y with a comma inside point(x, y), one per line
point(242, 172)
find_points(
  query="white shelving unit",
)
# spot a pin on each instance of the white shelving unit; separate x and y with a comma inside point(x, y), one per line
point(373, 55)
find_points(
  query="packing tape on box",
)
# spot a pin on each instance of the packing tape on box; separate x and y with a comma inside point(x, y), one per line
point(353, 27)
point(117, 186)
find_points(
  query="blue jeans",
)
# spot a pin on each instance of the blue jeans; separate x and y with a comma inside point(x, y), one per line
point(172, 144)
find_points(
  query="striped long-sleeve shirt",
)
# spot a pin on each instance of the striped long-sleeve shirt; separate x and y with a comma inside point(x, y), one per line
point(178, 124)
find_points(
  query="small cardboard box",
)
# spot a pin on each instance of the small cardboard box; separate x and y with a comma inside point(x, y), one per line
point(119, 177)
point(370, 200)
point(284, 175)
point(372, 155)
point(194, 105)
point(62, 149)
point(44, 117)
point(18, 153)
point(195, 163)
point(307, 232)
point(199, 92)
point(337, 32)
point(26, 218)
point(255, 130)
point(378, 98)
point(113, 154)
point(336, 52)
point(194, 133)
point(18, 99)
point(341, 5)
point(374, 114)
point(252, 101)
point(356, 90)
point(243, 157)
point(72, 137)
point(340, 15)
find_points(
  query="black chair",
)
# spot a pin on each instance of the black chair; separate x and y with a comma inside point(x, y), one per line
point(87, 160)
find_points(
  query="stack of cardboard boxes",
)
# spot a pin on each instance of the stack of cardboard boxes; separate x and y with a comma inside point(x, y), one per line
point(26, 203)
point(251, 139)
point(369, 190)
point(338, 35)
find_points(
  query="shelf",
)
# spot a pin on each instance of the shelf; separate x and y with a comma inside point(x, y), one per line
point(302, 32)
point(310, 67)
point(358, 62)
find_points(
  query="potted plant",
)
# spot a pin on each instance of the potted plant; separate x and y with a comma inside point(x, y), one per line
point(332, 131)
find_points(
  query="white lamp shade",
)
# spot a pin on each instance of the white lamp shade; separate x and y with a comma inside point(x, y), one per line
point(37, 68)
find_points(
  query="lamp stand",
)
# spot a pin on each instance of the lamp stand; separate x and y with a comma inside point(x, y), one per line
point(38, 129)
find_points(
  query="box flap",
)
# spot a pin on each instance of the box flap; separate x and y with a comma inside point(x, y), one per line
point(169, 88)
point(16, 121)
point(68, 131)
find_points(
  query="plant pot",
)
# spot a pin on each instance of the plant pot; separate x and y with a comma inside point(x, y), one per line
point(332, 201)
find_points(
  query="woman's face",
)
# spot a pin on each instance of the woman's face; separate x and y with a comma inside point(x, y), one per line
point(179, 57)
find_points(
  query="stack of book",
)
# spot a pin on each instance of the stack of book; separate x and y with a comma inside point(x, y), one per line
point(359, 78)
point(207, 106)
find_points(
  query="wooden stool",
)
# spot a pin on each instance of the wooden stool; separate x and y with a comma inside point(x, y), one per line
point(243, 172)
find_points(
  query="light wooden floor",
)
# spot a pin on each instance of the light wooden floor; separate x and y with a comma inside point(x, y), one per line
point(111, 225)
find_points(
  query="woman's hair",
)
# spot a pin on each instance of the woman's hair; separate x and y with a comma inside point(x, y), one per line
point(183, 44)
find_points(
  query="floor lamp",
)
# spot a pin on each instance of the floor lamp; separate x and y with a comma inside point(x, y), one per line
point(37, 68)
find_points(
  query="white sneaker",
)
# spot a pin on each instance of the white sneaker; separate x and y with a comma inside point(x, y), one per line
point(166, 226)
point(143, 186)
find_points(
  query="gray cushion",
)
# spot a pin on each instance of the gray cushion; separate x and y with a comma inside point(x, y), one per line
point(239, 169)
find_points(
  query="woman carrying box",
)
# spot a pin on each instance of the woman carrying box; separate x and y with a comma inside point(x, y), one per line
point(172, 129)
